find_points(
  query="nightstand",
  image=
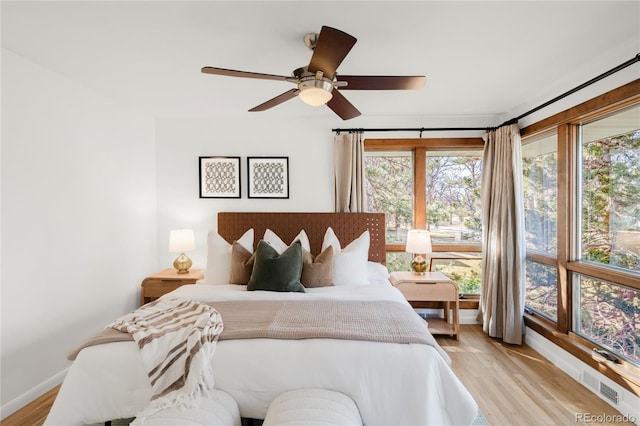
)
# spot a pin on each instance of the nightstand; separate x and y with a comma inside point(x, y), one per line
point(432, 287)
point(165, 281)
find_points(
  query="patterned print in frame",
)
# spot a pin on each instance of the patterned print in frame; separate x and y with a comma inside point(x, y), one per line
point(219, 177)
point(268, 177)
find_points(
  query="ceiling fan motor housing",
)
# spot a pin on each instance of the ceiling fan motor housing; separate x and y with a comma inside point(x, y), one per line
point(309, 82)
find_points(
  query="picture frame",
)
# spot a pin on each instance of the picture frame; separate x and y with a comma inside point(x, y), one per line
point(268, 177)
point(219, 177)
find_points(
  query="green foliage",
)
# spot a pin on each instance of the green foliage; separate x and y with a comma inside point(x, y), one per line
point(465, 272)
point(474, 229)
point(468, 284)
point(390, 190)
point(398, 262)
point(611, 199)
point(540, 201)
point(438, 212)
point(453, 190)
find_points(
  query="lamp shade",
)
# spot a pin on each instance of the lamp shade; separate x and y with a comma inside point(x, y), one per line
point(181, 240)
point(315, 92)
point(418, 241)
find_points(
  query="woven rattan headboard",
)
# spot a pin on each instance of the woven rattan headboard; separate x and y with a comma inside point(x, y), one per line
point(347, 226)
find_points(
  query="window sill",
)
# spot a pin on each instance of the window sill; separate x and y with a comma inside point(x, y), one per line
point(624, 374)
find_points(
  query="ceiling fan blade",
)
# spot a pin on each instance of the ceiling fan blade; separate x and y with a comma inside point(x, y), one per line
point(331, 49)
point(341, 106)
point(380, 82)
point(245, 74)
point(289, 94)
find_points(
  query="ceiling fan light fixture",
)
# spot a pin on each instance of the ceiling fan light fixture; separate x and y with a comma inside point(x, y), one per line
point(315, 92)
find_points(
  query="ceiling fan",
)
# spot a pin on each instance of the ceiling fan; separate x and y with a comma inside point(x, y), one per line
point(318, 83)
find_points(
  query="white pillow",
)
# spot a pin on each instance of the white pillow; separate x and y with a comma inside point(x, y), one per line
point(219, 257)
point(349, 263)
point(280, 246)
point(377, 274)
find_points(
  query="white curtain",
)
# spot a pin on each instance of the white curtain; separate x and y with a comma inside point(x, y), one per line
point(503, 245)
point(350, 195)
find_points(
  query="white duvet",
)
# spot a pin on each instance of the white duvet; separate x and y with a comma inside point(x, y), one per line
point(392, 384)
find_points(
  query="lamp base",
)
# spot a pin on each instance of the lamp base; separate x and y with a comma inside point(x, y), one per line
point(419, 265)
point(182, 264)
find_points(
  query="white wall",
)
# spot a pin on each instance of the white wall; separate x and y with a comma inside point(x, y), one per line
point(78, 220)
point(308, 142)
point(583, 72)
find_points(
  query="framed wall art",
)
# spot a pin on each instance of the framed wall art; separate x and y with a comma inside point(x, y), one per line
point(268, 177)
point(219, 177)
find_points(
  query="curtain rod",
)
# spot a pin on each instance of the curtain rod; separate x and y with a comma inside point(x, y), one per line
point(613, 70)
point(409, 129)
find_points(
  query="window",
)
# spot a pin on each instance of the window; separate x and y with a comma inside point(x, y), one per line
point(430, 184)
point(610, 190)
point(583, 238)
point(608, 314)
point(542, 289)
point(453, 196)
point(608, 233)
point(390, 190)
point(540, 185)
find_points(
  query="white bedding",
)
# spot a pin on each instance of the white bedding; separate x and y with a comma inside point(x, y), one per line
point(392, 384)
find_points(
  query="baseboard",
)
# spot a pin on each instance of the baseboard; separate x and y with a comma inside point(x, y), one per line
point(469, 316)
point(32, 394)
point(627, 404)
point(465, 316)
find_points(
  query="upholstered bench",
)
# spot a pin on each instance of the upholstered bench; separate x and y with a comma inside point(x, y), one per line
point(218, 408)
point(307, 407)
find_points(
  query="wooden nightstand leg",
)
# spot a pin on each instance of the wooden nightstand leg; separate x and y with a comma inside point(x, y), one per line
point(456, 319)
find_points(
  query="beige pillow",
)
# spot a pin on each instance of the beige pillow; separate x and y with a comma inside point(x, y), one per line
point(317, 272)
point(241, 264)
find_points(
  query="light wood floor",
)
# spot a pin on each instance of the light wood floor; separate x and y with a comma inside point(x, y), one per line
point(34, 413)
point(513, 385)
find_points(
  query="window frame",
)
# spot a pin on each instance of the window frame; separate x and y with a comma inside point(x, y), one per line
point(568, 262)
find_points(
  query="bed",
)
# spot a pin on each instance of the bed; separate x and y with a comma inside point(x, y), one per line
point(391, 383)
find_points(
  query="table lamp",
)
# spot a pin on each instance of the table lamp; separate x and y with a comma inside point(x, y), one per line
point(418, 243)
point(180, 241)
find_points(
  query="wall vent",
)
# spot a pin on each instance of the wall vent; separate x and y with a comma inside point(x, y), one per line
point(609, 393)
point(605, 391)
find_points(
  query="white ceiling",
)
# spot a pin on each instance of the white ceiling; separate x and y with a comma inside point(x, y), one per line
point(481, 58)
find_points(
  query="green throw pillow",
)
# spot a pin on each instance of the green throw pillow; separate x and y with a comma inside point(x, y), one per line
point(274, 272)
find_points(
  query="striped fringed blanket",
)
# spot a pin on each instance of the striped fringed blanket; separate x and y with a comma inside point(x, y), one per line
point(177, 340)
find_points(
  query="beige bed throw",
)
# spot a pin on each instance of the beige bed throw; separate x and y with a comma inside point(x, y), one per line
point(376, 321)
